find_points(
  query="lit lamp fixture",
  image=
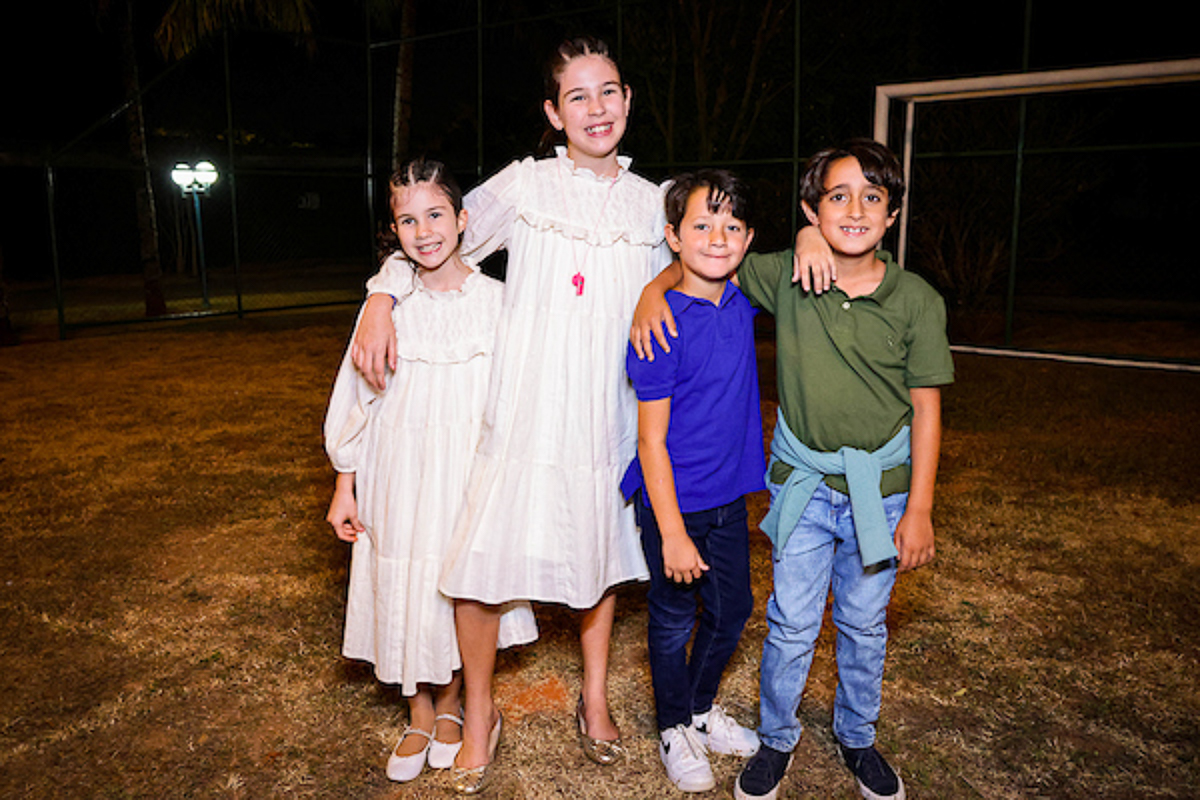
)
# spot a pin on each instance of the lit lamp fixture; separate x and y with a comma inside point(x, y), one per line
point(196, 181)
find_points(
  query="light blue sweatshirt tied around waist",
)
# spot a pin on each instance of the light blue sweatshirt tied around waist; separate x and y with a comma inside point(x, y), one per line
point(863, 472)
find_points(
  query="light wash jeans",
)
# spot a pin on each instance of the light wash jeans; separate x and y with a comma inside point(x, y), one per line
point(821, 552)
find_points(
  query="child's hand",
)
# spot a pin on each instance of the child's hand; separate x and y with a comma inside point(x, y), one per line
point(374, 347)
point(649, 318)
point(914, 540)
point(681, 560)
point(812, 265)
point(343, 516)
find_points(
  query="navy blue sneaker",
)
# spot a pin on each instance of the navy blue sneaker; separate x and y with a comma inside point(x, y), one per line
point(760, 778)
point(876, 778)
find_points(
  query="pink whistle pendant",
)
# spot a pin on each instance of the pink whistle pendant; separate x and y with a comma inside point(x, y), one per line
point(577, 282)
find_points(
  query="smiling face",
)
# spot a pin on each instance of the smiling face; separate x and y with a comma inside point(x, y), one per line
point(592, 109)
point(710, 244)
point(424, 220)
point(852, 213)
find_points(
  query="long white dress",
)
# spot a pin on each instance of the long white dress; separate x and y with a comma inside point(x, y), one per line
point(410, 448)
point(545, 519)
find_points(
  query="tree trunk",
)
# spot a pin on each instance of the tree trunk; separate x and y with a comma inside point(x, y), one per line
point(402, 101)
point(152, 282)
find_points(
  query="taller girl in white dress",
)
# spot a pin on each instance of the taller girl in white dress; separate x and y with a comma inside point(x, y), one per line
point(403, 456)
point(544, 518)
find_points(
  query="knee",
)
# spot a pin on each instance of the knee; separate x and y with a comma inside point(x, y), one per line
point(668, 635)
point(793, 628)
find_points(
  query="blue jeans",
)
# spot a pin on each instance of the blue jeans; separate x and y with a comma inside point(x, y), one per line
point(823, 551)
point(686, 685)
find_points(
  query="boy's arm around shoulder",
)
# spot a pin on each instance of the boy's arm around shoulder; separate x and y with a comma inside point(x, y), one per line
point(810, 264)
point(767, 279)
point(813, 265)
point(914, 532)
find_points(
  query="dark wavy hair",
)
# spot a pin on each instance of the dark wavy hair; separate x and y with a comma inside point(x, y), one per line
point(879, 165)
point(724, 188)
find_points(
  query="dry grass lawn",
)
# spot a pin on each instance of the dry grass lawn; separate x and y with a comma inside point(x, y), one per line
point(171, 609)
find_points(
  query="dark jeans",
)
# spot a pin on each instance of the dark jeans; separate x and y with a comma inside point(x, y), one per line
point(685, 685)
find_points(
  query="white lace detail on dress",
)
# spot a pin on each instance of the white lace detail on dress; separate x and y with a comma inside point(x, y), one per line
point(628, 216)
point(445, 331)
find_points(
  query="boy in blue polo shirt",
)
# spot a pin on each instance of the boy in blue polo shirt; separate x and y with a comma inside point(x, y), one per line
point(700, 451)
point(853, 462)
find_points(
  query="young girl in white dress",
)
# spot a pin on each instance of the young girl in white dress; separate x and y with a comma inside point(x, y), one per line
point(403, 455)
point(544, 518)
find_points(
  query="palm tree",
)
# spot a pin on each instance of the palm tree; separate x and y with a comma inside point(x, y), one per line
point(121, 13)
point(189, 22)
point(383, 15)
point(185, 24)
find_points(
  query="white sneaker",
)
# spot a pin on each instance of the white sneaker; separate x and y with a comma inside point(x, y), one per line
point(683, 755)
point(722, 734)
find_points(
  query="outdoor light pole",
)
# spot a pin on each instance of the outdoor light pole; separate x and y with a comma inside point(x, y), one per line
point(196, 181)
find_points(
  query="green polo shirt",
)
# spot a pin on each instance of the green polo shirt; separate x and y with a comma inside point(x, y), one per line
point(845, 365)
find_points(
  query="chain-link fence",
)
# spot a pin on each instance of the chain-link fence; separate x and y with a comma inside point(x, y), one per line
point(302, 136)
point(285, 224)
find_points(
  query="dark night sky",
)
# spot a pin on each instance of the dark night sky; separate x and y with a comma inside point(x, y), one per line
point(61, 69)
point(61, 72)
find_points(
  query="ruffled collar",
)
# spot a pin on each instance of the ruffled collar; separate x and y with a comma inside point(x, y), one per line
point(417, 285)
point(468, 281)
point(623, 163)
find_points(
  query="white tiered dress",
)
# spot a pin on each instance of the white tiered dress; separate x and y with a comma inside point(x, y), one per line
point(411, 448)
point(545, 519)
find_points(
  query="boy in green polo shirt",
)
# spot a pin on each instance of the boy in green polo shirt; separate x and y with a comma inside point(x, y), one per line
point(853, 461)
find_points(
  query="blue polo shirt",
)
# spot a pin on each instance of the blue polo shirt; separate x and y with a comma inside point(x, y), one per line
point(715, 436)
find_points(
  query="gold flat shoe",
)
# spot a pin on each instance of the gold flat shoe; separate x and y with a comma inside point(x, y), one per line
point(602, 751)
point(473, 780)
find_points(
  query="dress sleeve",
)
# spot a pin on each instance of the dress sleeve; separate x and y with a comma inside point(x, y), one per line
point(492, 208)
point(661, 257)
point(395, 277)
point(350, 407)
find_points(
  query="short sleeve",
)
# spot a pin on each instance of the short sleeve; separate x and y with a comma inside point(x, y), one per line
point(929, 361)
point(654, 380)
point(759, 277)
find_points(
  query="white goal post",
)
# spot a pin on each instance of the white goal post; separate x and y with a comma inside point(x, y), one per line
point(1023, 83)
